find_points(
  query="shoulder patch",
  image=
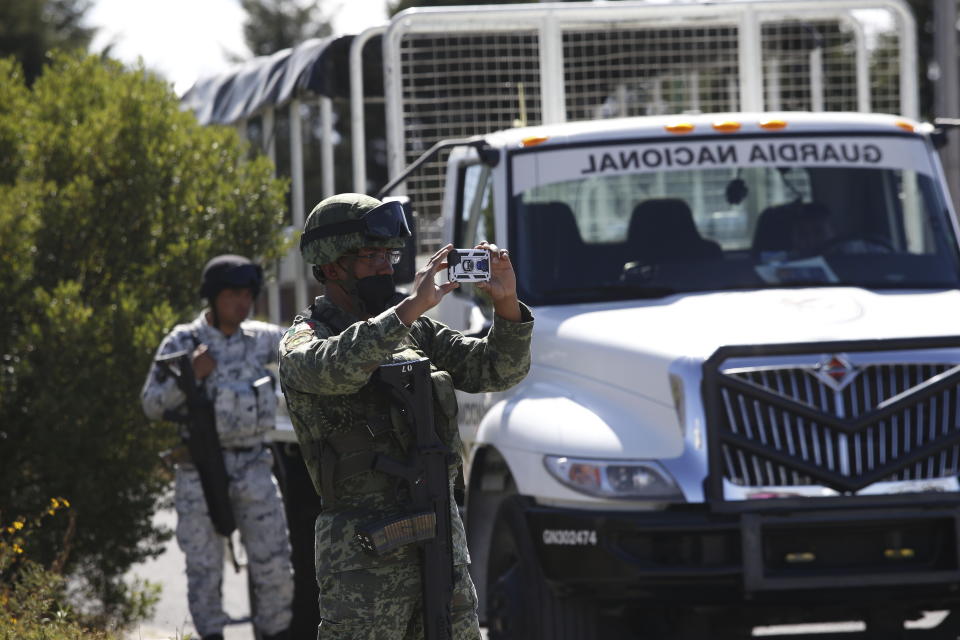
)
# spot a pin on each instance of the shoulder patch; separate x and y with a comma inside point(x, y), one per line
point(298, 338)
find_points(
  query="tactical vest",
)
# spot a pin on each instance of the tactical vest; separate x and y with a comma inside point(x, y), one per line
point(243, 394)
point(346, 455)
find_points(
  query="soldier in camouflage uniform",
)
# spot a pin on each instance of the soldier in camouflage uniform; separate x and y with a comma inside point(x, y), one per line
point(326, 361)
point(230, 354)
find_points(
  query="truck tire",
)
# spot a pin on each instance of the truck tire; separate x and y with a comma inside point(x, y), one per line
point(520, 604)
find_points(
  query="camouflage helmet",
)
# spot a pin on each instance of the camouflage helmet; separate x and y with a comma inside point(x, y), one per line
point(348, 222)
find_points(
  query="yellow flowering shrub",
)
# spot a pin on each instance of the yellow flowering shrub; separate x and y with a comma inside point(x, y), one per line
point(31, 603)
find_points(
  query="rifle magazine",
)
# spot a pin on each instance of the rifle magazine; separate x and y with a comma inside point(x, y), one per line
point(383, 536)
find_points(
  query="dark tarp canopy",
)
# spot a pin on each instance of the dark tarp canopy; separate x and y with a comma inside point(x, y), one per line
point(319, 66)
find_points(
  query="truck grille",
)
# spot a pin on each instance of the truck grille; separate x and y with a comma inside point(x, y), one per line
point(846, 429)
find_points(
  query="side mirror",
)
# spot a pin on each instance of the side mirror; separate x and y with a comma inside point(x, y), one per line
point(405, 271)
point(941, 127)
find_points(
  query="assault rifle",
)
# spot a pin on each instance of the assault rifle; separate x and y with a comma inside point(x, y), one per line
point(426, 475)
point(202, 441)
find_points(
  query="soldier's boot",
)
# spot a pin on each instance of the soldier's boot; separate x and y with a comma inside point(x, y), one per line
point(280, 635)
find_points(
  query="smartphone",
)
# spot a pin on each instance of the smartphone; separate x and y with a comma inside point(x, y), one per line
point(468, 265)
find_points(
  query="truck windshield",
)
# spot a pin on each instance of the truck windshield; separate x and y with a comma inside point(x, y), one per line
point(647, 220)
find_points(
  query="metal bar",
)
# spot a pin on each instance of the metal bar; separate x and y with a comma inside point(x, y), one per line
point(816, 79)
point(273, 295)
point(771, 84)
point(786, 422)
point(909, 98)
point(326, 147)
point(745, 415)
point(297, 199)
point(744, 468)
point(358, 134)
point(750, 59)
point(731, 419)
point(795, 406)
point(393, 98)
point(862, 65)
point(269, 139)
point(945, 87)
point(552, 85)
point(730, 469)
point(775, 428)
point(270, 149)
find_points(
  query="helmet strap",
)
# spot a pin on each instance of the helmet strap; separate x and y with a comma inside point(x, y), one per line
point(213, 313)
point(349, 286)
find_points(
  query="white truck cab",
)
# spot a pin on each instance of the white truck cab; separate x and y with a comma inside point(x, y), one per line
point(745, 372)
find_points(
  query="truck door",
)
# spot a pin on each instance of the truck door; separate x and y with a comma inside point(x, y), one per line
point(473, 223)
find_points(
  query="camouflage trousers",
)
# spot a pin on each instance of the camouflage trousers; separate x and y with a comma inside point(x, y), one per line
point(384, 604)
point(259, 514)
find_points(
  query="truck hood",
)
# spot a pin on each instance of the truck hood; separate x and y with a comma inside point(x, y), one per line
point(632, 344)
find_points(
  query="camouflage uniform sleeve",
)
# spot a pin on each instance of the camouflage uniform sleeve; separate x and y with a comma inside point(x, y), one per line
point(314, 361)
point(494, 363)
point(160, 392)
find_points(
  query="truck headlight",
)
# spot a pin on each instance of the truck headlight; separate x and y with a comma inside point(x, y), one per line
point(613, 478)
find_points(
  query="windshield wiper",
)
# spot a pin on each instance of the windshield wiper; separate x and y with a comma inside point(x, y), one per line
point(622, 290)
point(794, 284)
point(858, 285)
point(936, 286)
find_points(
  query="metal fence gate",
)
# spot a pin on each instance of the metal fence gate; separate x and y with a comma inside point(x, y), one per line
point(459, 72)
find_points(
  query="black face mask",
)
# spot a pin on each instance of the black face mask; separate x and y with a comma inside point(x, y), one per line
point(376, 293)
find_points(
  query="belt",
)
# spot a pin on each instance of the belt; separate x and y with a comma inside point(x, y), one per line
point(243, 449)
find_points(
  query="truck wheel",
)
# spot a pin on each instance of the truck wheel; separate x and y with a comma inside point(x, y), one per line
point(520, 604)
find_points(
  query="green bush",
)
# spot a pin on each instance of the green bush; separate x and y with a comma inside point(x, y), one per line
point(111, 200)
point(32, 597)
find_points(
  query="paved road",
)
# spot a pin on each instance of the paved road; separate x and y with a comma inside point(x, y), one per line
point(172, 619)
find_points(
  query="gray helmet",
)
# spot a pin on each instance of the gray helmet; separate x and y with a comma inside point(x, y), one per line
point(348, 222)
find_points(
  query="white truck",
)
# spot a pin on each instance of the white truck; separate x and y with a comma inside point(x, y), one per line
point(743, 406)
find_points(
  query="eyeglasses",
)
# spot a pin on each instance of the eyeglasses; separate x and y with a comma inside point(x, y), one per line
point(380, 255)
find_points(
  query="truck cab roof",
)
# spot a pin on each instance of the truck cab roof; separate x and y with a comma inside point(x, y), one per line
point(710, 124)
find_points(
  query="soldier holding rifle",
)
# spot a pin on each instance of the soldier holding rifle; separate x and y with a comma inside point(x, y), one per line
point(211, 376)
point(359, 419)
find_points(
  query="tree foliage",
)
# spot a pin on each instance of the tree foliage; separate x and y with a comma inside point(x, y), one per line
point(111, 200)
point(31, 28)
point(272, 25)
